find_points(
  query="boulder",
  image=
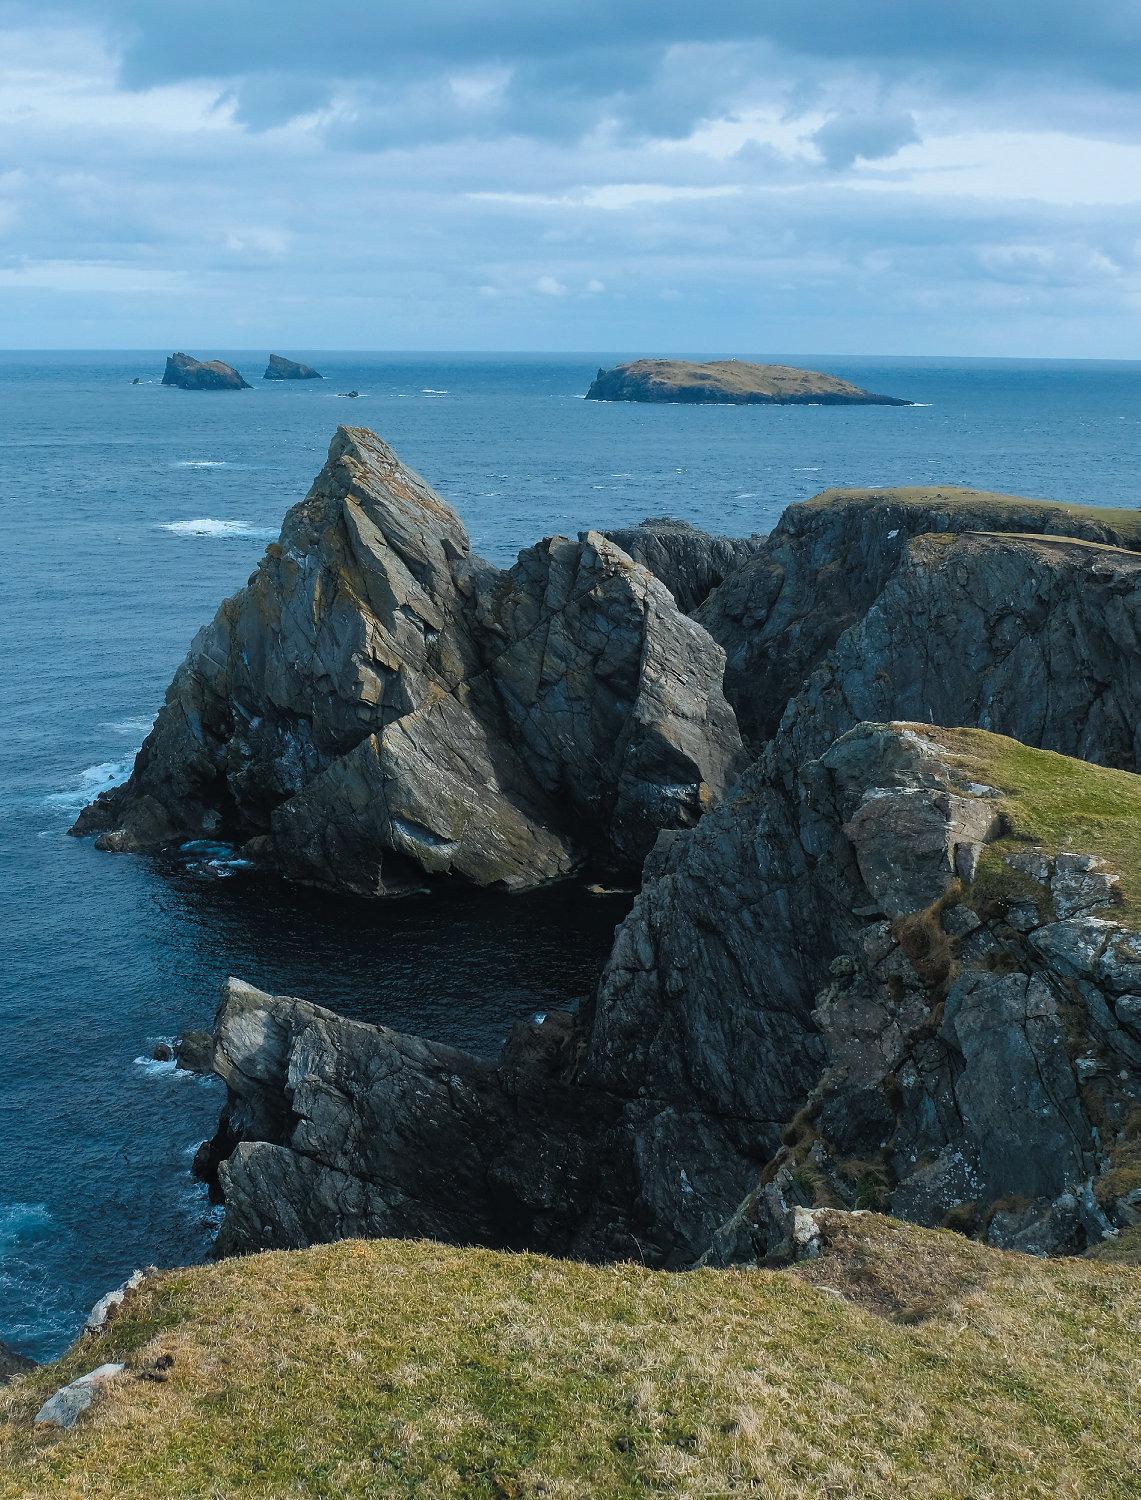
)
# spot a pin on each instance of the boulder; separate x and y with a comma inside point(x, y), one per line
point(280, 368)
point(379, 706)
point(191, 374)
point(69, 1403)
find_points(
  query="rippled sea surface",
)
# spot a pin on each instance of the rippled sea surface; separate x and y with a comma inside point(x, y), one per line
point(130, 511)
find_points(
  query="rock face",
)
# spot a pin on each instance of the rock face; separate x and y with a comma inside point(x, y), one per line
point(379, 706)
point(827, 561)
point(280, 368)
point(690, 563)
point(817, 990)
point(729, 380)
point(13, 1363)
point(191, 374)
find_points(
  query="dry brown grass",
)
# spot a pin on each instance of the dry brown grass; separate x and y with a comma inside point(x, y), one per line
point(903, 1362)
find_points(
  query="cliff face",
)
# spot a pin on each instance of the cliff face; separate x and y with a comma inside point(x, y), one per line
point(191, 374)
point(379, 705)
point(856, 984)
point(731, 381)
point(825, 564)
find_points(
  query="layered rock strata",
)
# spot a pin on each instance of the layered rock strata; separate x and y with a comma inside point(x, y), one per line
point(816, 989)
point(379, 705)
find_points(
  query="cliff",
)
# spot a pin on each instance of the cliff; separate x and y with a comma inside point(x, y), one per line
point(191, 374)
point(733, 381)
point(892, 1361)
point(907, 968)
point(280, 368)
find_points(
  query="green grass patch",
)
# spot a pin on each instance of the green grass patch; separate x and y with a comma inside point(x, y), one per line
point(987, 504)
point(903, 1361)
point(1054, 802)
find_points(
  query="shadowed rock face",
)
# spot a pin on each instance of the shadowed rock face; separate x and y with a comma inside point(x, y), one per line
point(191, 374)
point(690, 563)
point(280, 368)
point(767, 973)
point(732, 381)
point(824, 565)
point(378, 705)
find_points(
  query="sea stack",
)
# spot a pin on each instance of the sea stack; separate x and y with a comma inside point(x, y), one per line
point(280, 368)
point(191, 374)
point(730, 381)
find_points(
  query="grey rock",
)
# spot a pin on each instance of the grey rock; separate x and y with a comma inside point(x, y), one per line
point(767, 1005)
point(825, 565)
point(13, 1363)
point(690, 562)
point(111, 1301)
point(379, 707)
point(191, 374)
point(280, 368)
point(69, 1403)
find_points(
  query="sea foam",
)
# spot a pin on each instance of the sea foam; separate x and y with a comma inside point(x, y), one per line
point(209, 526)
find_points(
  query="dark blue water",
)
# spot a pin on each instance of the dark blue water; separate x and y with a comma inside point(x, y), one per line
point(129, 512)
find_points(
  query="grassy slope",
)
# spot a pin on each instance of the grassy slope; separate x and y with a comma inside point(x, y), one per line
point(903, 1362)
point(1127, 523)
point(1055, 802)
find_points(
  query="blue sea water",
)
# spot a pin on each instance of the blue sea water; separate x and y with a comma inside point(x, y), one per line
point(130, 511)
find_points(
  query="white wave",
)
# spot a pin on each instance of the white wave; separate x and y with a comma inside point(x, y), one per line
point(427, 390)
point(807, 469)
point(129, 726)
point(746, 495)
point(89, 783)
point(209, 526)
point(19, 1220)
point(201, 463)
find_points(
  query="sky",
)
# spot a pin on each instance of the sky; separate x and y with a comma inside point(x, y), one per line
point(957, 177)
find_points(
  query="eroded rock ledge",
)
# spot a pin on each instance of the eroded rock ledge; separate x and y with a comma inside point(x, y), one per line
point(851, 983)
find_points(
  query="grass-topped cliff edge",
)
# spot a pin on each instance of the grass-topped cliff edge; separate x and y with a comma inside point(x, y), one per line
point(901, 1362)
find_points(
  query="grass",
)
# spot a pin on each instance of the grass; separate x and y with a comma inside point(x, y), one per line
point(1127, 523)
point(739, 377)
point(1054, 802)
point(902, 1362)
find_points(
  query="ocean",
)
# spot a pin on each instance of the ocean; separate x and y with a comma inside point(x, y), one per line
point(130, 511)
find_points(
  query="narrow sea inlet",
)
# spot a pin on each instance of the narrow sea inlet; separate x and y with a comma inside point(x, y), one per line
point(133, 510)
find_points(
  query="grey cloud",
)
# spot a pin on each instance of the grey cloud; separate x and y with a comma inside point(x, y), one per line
point(855, 136)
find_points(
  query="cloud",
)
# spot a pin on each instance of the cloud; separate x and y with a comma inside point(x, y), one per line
point(856, 136)
point(551, 287)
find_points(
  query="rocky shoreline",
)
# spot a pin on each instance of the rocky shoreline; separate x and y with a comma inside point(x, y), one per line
point(880, 770)
point(732, 382)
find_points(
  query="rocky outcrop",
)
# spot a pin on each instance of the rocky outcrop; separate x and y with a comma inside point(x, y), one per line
point(853, 986)
point(280, 368)
point(12, 1363)
point(826, 563)
point(734, 381)
point(191, 374)
point(690, 562)
point(379, 706)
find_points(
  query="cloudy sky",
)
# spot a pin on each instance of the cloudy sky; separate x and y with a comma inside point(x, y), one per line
point(755, 176)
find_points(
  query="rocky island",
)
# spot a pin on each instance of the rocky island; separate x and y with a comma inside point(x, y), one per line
point(191, 374)
point(280, 368)
point(732, 381)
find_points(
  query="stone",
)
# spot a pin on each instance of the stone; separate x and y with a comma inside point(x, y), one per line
point(690, 562)
point(280, 368)
point(191, 374)
point(13, 1363)
point(111, 1301)
point(194, 1051)
point(69, 1403)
